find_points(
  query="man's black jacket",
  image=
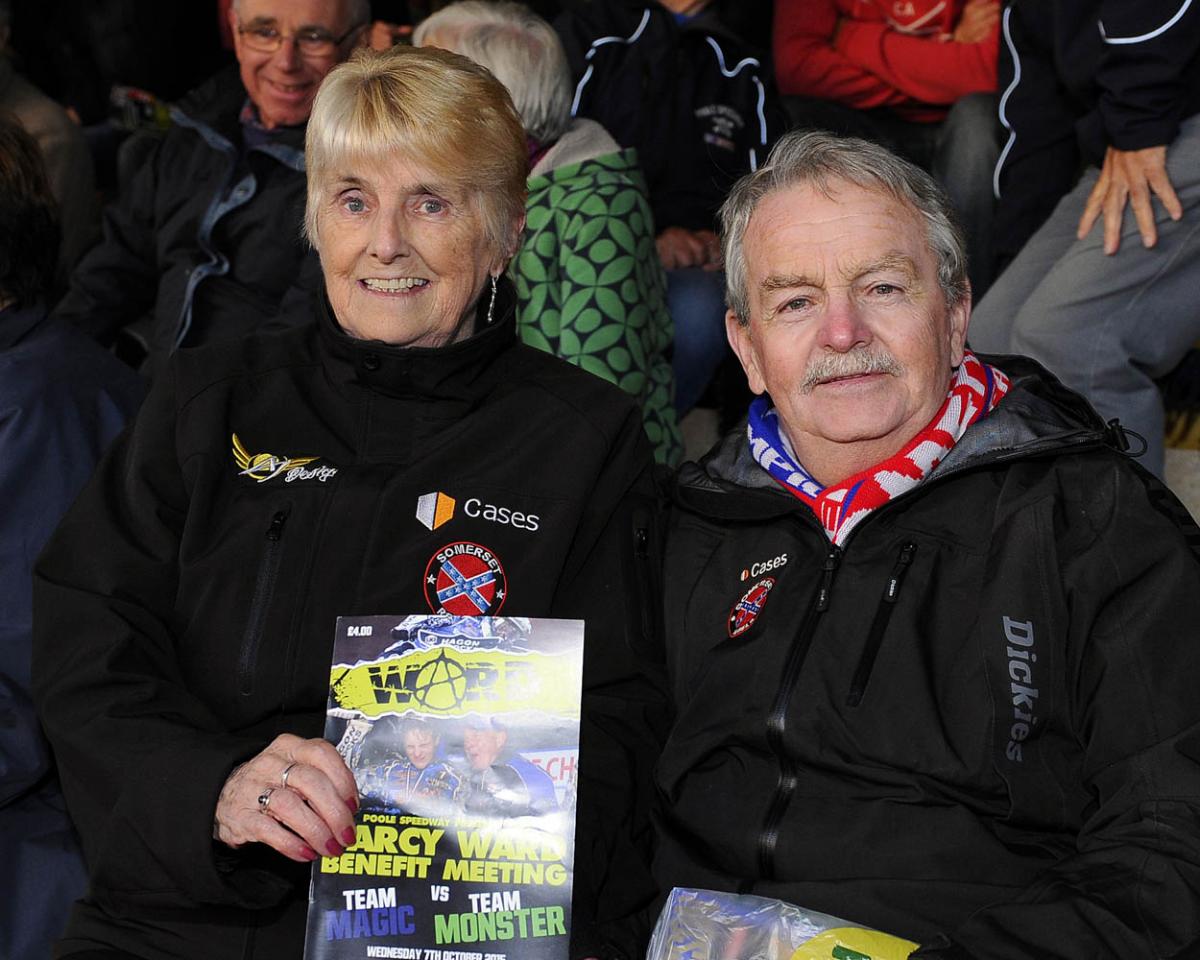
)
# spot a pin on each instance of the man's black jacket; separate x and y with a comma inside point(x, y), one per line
point(976, 725)
point(204, 242)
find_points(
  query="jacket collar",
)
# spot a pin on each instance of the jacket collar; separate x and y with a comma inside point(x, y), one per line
point(1037, 417)
point(214, 110)
point(16, 323)
point(456, 372)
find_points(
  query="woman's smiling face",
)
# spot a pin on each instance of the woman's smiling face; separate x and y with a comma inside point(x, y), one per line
point(405, 253)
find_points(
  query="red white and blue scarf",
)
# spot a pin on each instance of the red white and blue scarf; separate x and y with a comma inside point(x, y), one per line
point(974, 392)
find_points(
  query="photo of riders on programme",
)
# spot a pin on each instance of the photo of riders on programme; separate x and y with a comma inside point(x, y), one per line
point(833, 364)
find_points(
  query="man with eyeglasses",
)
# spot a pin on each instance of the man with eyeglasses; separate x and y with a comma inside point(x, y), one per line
point(204, 240)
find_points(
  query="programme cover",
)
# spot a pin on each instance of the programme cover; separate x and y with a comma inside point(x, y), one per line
point(463, 736)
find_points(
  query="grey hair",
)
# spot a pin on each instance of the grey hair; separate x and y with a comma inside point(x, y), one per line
point(519, 48)
point(821, 160)
point(358, 12)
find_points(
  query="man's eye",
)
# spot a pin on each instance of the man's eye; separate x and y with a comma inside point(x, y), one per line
point(885, 289)
point(797, 303)
point(264, 33)
point(314, 36)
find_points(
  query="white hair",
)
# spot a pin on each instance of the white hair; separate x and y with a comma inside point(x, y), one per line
point(516, 45)
point(823, 160)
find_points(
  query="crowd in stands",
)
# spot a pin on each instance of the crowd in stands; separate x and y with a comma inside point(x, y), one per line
point(152, 197)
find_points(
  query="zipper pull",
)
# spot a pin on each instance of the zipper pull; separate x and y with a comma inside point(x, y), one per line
point(275, 530)
point(641, 538)
point(831, 562)
point(893, 588)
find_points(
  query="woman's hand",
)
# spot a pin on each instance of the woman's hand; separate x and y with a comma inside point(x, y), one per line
point(310, 809)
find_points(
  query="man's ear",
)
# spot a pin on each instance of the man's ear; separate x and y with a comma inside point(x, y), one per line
point(959, 318)
point(741, 340)
point(232, 17)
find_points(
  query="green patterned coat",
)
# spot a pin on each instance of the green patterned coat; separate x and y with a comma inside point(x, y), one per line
point(591, 288)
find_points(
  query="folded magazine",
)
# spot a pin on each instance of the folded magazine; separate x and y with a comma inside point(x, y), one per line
point(463, 737)
point(708, 925)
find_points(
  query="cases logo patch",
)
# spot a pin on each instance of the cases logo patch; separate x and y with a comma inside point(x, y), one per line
point(466, 580)
point(746, 610)
point(434, 509)
point(261, 467)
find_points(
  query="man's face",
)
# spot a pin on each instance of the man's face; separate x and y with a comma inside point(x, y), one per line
point(418, 747)
point(849, 332)
point(482, 747)
point(282, 84)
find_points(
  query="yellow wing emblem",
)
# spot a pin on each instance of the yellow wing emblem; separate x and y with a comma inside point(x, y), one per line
point(263, 466)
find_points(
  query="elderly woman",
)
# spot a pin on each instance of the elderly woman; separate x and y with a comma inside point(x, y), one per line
point(590, 286)
point(186, 606)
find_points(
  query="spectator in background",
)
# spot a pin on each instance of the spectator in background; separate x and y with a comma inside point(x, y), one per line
point(68, 164)
point(1101, 294)
point(918, 77)
point(669, 79)
point(589, 287)
point(205, 243)
point(62, 399)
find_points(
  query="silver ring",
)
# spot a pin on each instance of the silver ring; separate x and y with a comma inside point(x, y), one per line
point(264, 799)
point(286, 772)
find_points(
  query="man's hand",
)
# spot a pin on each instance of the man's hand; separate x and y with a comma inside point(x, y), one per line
point(678, 248)
point(1130, 176)
point(312, 811)
point(978, 20)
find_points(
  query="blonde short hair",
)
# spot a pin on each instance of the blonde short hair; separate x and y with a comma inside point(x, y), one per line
point(435, 109)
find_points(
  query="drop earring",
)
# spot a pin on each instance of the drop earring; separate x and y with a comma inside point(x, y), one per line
point(492, 302)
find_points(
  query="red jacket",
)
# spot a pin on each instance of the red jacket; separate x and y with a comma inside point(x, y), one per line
point(887, 53)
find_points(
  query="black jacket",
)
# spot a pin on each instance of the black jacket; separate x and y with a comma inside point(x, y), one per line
point(185, 608)
point(62, 400)
point(1079, 76)
point(976, 726)
point(204, 242)
point(693, 99)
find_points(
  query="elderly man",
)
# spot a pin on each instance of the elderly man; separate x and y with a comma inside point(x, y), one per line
point(927, 631)
point(204, 243)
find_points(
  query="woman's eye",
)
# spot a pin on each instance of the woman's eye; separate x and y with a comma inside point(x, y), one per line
point(354, 204)
point(432, 205)
point(796, 303)
point(885, 289)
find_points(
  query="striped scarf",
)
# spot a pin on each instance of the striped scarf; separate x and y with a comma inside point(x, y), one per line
point(974, 392)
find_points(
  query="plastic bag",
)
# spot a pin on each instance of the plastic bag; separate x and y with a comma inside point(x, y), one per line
point(707, 925)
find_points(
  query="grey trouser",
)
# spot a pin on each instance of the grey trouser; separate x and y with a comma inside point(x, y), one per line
point(1106, 326)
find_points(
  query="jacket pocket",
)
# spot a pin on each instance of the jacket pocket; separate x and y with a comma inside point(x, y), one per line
point(883, 614)
point(264, 590)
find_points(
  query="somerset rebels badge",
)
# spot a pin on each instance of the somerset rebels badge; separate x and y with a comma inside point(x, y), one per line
point(465, 579)
point(746, 610)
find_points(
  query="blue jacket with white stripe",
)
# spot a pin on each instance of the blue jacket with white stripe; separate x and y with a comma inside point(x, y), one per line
point(1079, 76)
point(692, 98)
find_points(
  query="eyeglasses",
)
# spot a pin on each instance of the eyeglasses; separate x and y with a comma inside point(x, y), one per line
point(313, 42)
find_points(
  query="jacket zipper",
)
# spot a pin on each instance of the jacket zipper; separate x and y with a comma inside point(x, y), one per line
point(768, 838)
point(883, 614)
point(264, 590)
